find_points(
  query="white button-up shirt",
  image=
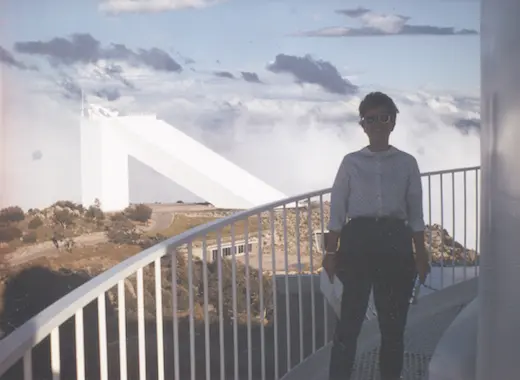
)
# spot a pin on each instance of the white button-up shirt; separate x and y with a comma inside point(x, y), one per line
point(377, 184)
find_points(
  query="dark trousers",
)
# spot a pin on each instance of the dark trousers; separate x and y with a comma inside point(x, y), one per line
point(373, 254)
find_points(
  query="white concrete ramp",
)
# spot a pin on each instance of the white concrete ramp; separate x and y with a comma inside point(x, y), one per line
point(108, 139)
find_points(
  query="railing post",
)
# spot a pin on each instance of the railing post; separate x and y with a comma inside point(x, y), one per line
point(499, 309)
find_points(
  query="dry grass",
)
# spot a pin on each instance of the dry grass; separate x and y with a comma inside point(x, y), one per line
point(185, 222)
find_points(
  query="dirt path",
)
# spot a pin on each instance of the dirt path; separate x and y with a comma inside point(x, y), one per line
point(159, 222)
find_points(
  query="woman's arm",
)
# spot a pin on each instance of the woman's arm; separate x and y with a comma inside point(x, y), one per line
point(338, 206)
point(414, 204)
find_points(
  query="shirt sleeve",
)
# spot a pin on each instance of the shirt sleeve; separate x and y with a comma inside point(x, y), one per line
point(339, 198)
point(414, 199)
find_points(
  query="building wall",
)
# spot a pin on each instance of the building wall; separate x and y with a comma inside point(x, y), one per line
point(198, 251)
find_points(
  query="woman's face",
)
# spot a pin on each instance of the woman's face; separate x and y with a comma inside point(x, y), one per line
point(378, 123)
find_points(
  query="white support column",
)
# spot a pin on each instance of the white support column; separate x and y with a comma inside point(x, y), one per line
point(104, 166)
point(499, 300)
point(3, 145)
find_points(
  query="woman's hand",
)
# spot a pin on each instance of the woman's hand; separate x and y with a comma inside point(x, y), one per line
point(422, 264)
point(329, 265)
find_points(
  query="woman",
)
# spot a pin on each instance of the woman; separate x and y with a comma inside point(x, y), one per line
point(378, 189)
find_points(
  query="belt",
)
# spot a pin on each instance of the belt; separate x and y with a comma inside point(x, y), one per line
point(380, 219)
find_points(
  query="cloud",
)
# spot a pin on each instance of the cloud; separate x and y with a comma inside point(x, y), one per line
point(291, 135)
point(307, 70)
point(109, 94)
point(83, 48)
point(70, 88)
point(8, 59)
point(380, 24)
point(149, 6)
point(250, 77)
point(224, 74)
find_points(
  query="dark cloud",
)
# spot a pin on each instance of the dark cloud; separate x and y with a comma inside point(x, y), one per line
point(468, 125)
point(224, 74)
point(378, 25)
point(7, 58)
point(83, 48)
point(116, 72)
point(109, 94)
point(307, 70)
point(250, 77)
point(356, 12)
point(70, 89)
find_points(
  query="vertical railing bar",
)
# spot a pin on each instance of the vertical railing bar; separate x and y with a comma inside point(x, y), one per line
point(453, 257)
point(465, 242)
point(234, 299)
point(159, 319)
point(102, 323)
point(275, 294)
point(248, 306)
point(55, 354)
point(299, 276)
point(27, 366)
point(322, 249)
point(311, 265)
point(191, 307)
point(80, 345)
point(442, 229)
point(140, 324)
point(430, 235)
point(175, 306)
point(221, 307)
point(477, 221)
point(287, 291)
point(207, 351)
point(261, 295)
point(121, 315)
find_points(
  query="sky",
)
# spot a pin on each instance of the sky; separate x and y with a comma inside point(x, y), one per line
point(246, 33)
point(272, 85)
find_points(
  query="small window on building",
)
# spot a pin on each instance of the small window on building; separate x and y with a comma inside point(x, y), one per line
point(241, 248)
point(226, 251)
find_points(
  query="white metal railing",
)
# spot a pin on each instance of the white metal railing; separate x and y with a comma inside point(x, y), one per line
point(253, 316)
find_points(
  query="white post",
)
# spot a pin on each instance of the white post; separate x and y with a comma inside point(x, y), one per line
point(499, 284)
point(3, 143)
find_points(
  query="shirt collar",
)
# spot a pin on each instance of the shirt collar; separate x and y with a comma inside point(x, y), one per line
point(389, 152)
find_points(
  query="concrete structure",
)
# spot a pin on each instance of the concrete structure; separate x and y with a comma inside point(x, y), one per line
point(499, 306)
point(226, 249)
point(107, 139)
point(2, 141)
point(483, 341)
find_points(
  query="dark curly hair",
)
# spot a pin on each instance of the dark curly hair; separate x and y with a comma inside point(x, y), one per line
point(376, 100)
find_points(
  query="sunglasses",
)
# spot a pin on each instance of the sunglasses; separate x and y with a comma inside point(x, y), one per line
point(383, 119)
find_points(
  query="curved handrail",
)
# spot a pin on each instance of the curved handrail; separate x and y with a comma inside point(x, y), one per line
point(14, 345)
point(17, 343)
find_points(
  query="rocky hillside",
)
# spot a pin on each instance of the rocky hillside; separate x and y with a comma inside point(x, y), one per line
point(446, 251)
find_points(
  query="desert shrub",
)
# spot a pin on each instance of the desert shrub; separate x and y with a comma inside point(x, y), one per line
point(35, 222)
point(227, 289)
point(63, 217)
point(123, 232)
point(30, 237)
point(139, 213)
point(11, 214)
point(9, 233)
point(118, 217)
point(70, 205)
point(94, 212)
